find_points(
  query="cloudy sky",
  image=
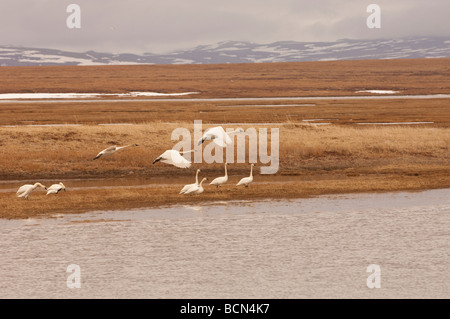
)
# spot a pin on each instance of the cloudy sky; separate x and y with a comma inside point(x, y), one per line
point(138, 26)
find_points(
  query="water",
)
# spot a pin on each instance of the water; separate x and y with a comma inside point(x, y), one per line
point(306, 248)
point(268, 99)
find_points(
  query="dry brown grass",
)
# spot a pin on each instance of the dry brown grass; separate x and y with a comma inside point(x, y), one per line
point(411, 76)
point(67, 152)
point(343, 157)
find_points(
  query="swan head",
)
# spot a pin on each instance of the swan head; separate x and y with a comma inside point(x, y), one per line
point(200, 141)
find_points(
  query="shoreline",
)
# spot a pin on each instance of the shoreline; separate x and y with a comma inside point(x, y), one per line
point(343, 156)
point(124, 197)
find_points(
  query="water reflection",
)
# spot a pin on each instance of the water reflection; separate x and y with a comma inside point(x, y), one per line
point(316, 247)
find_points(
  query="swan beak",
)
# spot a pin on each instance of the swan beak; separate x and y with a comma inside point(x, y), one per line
point(201, 141)
point(157, 160)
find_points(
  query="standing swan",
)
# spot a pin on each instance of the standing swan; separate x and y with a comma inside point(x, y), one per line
point(196, 189)
point(186, 187)
point(247, 180)
point(175, 158)
point(220, 180)
point(219, 136)
point(111, 150)
point(56, 188)
point(25, 190)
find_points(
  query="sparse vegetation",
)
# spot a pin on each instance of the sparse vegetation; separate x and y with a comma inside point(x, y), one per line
point(342, 157)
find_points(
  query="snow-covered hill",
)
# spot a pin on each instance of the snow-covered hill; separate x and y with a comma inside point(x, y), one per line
point(241, 52)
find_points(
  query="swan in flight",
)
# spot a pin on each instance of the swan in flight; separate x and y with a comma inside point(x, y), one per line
point(56, 188)
point(196, 189)
point(25, 190)
point(220, 180)
point(111, 150)
point(219, 136)
point(175, 158)
point(186, 187)
point(247, 180)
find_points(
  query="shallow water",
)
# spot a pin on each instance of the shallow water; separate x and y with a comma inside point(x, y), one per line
point(195, 100)
point(307, 248)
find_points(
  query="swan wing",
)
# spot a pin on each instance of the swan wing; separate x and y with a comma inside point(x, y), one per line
point(192, 189)
point(54, 189)
point(244, 181)
point(23, 188)
point(186, 187)
point(176, 159)
point(219, 180)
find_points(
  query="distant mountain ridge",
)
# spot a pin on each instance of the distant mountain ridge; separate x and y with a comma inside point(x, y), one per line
point(241, 52)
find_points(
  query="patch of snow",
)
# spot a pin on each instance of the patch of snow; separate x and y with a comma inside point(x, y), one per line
point(378, 91)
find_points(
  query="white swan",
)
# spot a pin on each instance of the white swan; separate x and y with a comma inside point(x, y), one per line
point(186, 187)
point(56, 188)
point(196, 189)
point(175, 158)
point(218, 135)
point(220, 180)
point(247, 180)
point(111, 150)
point(25, 190)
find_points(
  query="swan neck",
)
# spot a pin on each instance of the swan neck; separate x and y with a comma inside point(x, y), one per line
point(184, 152)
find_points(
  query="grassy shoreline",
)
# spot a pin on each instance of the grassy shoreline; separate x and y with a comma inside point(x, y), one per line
point(123, 198)
point(325, 160)
point(341, 157)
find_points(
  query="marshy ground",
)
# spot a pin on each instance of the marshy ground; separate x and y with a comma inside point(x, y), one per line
point(326, 146)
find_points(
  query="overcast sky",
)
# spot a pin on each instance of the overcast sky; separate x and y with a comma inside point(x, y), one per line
point(139, 26)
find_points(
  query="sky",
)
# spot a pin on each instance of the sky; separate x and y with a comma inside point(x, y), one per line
point(139, 26)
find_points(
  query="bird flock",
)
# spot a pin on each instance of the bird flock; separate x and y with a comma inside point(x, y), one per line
point(172, 157)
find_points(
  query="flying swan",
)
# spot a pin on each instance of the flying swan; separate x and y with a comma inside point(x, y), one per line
point(218, 135)
point(175, 158)
point(111, 150)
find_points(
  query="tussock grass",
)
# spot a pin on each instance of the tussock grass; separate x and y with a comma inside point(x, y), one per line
point(46, 152)
point(343, 157)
